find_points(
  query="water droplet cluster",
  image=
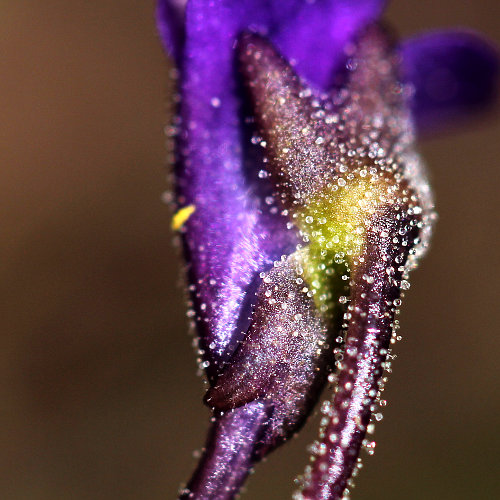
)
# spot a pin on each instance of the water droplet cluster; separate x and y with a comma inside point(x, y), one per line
point(346, 174)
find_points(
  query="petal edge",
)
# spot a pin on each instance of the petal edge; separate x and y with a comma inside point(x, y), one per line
point(454, 74)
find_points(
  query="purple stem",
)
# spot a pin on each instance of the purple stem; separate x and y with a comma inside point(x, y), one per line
point(375, 285)
point(229, 454)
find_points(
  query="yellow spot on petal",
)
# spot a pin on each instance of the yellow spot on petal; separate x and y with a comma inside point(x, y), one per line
point(181, 216)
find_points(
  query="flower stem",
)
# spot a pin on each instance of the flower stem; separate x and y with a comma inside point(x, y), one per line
point(229, 454)
point(374, 299)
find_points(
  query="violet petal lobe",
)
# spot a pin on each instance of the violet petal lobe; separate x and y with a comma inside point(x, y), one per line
point(454, 73)
point(315, 38)
point(170, 25)
point(227, 240)
point(233, 236)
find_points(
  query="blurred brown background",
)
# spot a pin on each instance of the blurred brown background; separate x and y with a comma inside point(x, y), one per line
point(99, 394)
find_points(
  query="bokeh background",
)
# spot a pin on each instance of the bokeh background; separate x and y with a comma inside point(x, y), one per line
point(99, 397)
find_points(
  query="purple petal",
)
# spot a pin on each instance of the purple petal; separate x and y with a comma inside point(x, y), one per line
point(233, 235)
point(170, 25)
point(454, 73)
point(226, 241)
point(316, 37)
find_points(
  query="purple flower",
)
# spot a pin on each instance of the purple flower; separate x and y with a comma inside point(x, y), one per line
point(302, 206)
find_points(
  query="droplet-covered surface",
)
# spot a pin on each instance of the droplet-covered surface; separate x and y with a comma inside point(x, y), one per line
point(341, 172)
point(346, 174)
point(233, 236)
